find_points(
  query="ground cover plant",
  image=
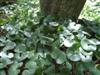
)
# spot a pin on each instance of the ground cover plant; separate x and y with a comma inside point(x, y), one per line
point(32, 44)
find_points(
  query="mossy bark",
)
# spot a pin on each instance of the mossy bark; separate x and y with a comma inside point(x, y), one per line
point(62, 8)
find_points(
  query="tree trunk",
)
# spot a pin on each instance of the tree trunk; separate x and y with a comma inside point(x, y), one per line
point(62, 8)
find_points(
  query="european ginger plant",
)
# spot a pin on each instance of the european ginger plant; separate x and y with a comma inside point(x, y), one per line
point(31, 45)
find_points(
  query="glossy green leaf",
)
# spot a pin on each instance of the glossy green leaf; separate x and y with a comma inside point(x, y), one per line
point(31, 66)
point(88, 45)
point(13, 70)
point(9, 46)
point(58, 55)
point(73, 57)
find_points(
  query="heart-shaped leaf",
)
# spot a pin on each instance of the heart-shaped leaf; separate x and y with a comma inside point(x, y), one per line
point(73, 57)
point(88, 45)
point(58, 55)
point(9, 46)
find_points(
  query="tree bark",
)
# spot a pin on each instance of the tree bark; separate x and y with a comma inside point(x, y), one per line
point(62, 8)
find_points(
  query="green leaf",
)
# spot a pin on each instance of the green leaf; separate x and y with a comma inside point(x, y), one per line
point(13, 69)
point(80, 69)
point(6, 61)
point(50, 70)
point(9, 46)
point(20, 48)
point(97, 54)
point(27, 34)
point(31, 66)
point(26, 72)
point(68, 65)
point(95, 72)
point(2, 39)
point(98, 66)
point(38, 71)
point(73, 57)
point(2, 21)
point(2, 72)
point(1, 66)
point(58, 55)
point(84, 52)
point(91, 67)
point(88, 45)
point(2, 44)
